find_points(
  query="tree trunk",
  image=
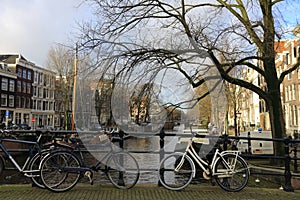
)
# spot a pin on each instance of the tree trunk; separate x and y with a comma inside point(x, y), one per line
point(277, 121)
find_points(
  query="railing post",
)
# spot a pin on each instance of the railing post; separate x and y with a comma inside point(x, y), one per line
point(295, 158)
point(121, 145)
point(161, 150)
point(121, 141)
point(225, 143)
point(249, 143)
point(287, 172)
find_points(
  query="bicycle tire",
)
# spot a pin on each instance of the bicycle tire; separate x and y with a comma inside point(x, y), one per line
point(1, 165)
point(172, 179)
point(54, 173)
point(122, 170)
point(34, 166)
point(238, 179)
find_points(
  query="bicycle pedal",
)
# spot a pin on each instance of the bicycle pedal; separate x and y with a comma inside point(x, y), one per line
point(89, 175)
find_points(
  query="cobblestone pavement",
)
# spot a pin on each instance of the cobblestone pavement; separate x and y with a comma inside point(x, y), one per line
point(143, 192)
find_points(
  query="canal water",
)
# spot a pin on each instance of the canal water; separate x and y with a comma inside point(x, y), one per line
point(149, 162)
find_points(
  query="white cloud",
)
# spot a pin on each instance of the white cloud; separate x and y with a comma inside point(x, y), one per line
point(30, 27)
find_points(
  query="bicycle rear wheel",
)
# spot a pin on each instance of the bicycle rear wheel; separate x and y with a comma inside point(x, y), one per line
point(34, 168)
point(235, 178)
point(172, 178)
point(122, 170)
point(60, 171)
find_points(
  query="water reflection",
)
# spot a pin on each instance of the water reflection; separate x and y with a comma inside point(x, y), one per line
point(150, 158)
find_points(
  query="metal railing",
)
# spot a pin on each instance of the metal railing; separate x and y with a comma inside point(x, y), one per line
point(290, 149)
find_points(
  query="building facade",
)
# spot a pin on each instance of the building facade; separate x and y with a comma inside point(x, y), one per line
point(30, 97)
point(8, 95)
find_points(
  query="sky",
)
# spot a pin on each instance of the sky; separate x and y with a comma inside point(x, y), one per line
point(31, 27)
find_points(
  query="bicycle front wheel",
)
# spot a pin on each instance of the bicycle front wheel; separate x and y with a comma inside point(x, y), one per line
point(176, 171)
point(122, 170)
point(231, 173)
point(60, 171)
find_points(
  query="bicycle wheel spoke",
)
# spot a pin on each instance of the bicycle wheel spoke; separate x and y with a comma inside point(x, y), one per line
point(123, 170)
point(59, 171)
point(175, 173)
point(232, 173)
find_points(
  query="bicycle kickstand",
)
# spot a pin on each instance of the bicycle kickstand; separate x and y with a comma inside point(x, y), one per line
point(89, 174)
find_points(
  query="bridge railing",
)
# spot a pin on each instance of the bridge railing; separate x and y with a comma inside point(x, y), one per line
point(290, 156)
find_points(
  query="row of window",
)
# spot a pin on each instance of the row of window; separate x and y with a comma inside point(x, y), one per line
point(7, 84)
point(43, 92)
point(7, 100)
point(24, 73)
point(25, 102)
point(43, 105)
point(293, 115)
point(291, 92)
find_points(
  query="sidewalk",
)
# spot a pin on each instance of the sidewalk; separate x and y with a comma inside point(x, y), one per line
point(143, 192)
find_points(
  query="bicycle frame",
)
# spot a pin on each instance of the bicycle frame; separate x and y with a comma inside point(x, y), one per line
point(21, 168)
point(88, 170)
point(205, 166)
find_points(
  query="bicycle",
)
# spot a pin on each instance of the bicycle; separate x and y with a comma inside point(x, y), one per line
point(230, 171)
point(61, 170)
point(30, 167)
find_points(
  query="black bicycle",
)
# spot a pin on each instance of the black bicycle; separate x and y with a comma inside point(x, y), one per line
point(62, 169)
point(30, 168)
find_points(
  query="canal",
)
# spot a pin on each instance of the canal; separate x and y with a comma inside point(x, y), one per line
point(149, 162)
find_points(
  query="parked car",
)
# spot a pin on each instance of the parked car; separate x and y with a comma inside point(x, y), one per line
point(24, 126)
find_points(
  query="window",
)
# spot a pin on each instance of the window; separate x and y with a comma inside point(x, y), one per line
point(19, 72)
point(18, 102)
point(19, 86)
point(34, 91)
point(11, 85)
point(35, 77)
point(4, 84)
point(3, 100)
point(28, 88)
point(27, 103)
point(39, 106)
point(294, 91)
point(287, 58)
point(289, 76)
point(40, 92)
point(11, 101)
point(22, 102)
point(24, 87)
point(24, 73)
point(34, 104)
point(29, 75)
point(290, 92)
point(295, 52)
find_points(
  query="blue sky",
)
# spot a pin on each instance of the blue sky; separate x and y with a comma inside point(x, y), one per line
point(31, 27)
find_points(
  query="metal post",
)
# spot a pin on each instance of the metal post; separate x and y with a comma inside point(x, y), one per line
point(121, 145)
point(249, 143)
point(161, 144)
point(287, 172)
point(225, 143)
point(295, 158)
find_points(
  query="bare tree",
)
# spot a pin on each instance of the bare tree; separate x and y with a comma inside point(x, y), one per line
point(61, 59)
point(148, 36)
